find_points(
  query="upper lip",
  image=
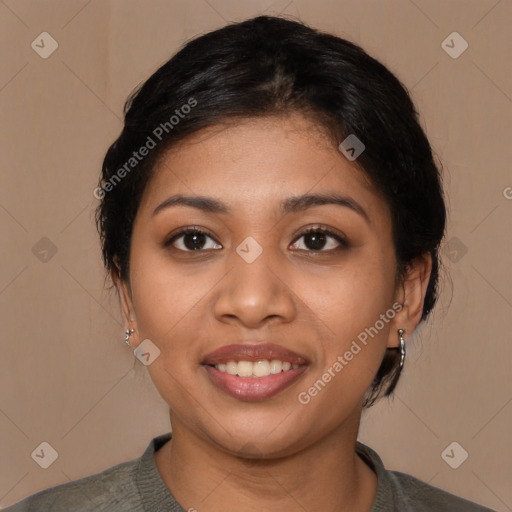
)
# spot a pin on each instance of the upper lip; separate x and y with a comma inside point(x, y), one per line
point(253, 353)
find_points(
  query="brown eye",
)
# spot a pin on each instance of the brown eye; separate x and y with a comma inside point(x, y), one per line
point(192, 239)
point(320, 240)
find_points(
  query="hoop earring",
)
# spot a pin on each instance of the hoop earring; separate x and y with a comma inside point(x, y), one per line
point(401, 348)
point(127, 335)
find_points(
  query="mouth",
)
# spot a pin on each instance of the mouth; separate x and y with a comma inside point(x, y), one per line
point(254, 372)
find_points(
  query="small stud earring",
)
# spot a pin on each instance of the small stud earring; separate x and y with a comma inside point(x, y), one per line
point(127, 335)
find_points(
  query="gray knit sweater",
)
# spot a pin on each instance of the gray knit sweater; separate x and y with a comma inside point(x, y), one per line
point(136, 486)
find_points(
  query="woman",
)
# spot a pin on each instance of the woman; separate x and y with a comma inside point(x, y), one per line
point(271, 216)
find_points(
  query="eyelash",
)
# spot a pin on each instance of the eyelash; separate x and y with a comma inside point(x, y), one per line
point(314, 229)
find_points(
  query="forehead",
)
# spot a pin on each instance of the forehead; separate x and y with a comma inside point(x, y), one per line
point(252, 163)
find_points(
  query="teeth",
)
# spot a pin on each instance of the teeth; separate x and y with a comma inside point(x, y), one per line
point(276, 366)
point(261, 368)
point(231, 368)
point(245, 368)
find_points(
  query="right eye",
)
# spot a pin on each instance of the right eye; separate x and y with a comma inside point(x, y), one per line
point(191, 239)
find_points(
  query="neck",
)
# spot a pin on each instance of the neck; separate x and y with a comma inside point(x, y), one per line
point(325, 476)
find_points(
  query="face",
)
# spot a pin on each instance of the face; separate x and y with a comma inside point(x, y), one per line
point(272, 318)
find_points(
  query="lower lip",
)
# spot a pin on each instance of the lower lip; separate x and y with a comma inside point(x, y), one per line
point(253, 389)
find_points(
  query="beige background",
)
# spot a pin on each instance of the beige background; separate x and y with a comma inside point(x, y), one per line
point(67, 378)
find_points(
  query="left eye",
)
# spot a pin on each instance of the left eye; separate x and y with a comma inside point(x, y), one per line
point(316, 239)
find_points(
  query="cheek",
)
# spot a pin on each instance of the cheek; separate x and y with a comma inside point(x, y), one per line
point(164, 298)
point(166, 306)
point(355, 307)
point(352, 297)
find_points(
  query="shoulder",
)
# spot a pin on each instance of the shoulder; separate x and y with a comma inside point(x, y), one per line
point(113, 489)
point(404, 493)
point(423, 497)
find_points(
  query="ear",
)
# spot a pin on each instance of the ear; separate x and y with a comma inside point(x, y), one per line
point(126, 303)
point(410, 294)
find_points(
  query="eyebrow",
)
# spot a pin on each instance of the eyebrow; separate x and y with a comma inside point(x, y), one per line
point(289, 205)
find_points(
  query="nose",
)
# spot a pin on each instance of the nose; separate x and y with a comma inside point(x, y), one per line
point(254, 294)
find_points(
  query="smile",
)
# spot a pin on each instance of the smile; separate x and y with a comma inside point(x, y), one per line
point(254, 372)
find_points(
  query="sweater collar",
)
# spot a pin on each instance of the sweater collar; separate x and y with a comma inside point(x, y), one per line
point(156, 496)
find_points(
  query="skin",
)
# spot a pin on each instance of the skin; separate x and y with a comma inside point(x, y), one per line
point(277, 453)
